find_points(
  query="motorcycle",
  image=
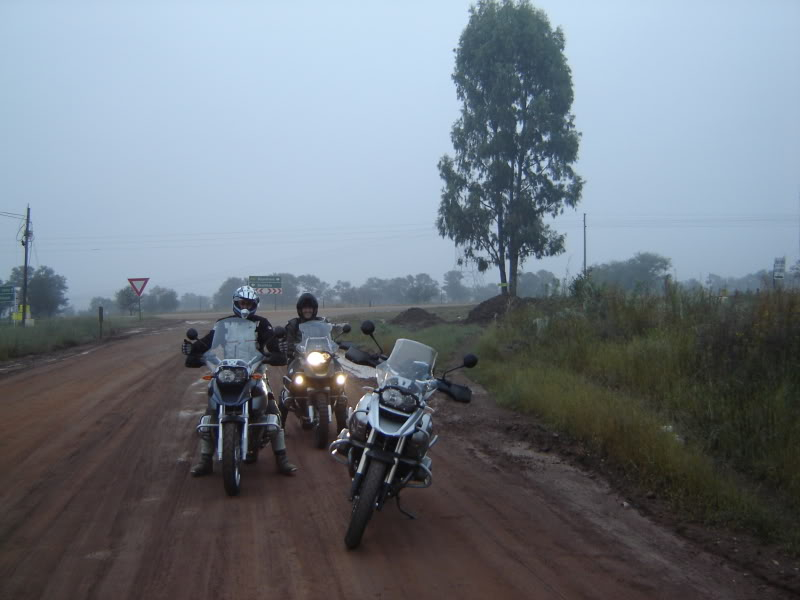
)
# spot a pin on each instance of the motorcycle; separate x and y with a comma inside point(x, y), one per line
point(314, 386)
point(389, 434)
point(234, 361)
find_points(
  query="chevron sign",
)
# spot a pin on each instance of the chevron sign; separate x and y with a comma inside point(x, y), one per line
point(262, 291)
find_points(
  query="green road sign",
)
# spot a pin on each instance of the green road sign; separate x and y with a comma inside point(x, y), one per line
point(7, 293)
point(266, 284)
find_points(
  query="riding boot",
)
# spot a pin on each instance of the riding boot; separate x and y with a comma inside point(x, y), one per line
point(205, 465)
point(283, 464)
point(281, 460)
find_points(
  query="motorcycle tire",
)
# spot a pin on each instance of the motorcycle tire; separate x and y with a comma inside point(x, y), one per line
point(364, 503)
point(321, 424)
point(231, 458)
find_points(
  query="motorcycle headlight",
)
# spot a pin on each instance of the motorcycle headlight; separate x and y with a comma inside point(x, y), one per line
point(231, 375)
point(316, 359)
point(341, 378)
point(398, 401)
point(298, 380)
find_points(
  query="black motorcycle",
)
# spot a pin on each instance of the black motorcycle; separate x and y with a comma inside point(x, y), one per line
point(313, 389)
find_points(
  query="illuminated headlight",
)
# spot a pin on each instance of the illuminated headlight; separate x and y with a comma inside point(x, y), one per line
point(341, 378)
point(231, 375)
point(298, 380)
point(315, 359)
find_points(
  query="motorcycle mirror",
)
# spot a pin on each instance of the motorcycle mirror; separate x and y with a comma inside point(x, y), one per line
point(191, 334)
point(470, 360)
point(346, 328)
point(367, 327)
point(279, 331)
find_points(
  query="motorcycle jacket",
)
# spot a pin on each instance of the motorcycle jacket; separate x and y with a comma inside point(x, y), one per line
point(265, 337)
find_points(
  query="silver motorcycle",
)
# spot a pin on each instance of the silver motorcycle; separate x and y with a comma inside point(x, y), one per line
point(389, 434)
point(235, 363)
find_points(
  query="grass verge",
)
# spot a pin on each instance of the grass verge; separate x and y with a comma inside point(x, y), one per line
point(56, 334)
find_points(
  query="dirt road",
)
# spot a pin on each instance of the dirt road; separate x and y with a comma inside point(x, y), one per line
point(97, 502)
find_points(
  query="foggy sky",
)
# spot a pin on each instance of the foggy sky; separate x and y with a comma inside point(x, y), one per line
point(192, 141)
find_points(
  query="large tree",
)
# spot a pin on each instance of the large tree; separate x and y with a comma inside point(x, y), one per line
point(47, 291)
point(515, 141)
point(455, 290)
point(223, 298)
point(645, 272)
point(126, 299)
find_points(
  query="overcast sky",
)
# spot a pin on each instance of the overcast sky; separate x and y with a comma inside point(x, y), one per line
point(192, 141)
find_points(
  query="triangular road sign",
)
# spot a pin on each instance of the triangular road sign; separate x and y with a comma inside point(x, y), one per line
point(138, 283)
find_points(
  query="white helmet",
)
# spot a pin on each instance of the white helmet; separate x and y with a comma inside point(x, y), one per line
point(245, 301)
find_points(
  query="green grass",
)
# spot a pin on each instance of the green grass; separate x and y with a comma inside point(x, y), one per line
point(622, 373)
point(448, 339)
point(54, 334)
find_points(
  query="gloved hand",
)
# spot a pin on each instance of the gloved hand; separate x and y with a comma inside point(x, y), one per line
point(283, 345)
point(186, 348)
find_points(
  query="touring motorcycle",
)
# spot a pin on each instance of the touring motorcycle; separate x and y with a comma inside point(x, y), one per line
point(389, 434)
point(314, 386)
point(234, 360)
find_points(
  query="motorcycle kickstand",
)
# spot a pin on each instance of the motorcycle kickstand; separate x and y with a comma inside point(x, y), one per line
point(400, 508)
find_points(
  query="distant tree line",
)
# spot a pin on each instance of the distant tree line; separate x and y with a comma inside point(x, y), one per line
point(644, 272)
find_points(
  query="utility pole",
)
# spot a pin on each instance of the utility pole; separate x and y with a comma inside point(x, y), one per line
point(584, 244)
point(26, 241)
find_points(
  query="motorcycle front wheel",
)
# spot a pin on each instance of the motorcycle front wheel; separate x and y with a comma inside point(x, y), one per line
point(231, 458)
point(321, 425)
point(364, 503)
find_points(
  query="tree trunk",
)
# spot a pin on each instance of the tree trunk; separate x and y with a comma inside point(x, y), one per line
point(501, 250)
point(513, 265)
point(503, 280)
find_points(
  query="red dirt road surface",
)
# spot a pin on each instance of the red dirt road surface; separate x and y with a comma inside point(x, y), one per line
point(97, 502)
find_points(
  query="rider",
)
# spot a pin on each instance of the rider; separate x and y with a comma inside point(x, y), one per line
point(307, 307)
point(245, 303)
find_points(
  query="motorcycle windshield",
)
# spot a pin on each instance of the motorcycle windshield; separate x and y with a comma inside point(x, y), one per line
point(316, 336)
point(410, 365)
point(234, 338)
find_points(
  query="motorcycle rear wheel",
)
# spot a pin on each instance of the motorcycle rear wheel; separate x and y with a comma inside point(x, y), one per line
point(364, 503)
point(321, 425)
point(231, 458)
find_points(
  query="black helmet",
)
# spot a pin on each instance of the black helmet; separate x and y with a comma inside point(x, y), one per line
point(307, 299)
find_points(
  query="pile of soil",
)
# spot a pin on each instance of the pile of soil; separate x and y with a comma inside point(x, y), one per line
point(416, 318)
point(494, 308)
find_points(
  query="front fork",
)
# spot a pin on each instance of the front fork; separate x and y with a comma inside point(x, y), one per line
point(362, 467)
point(245, 429)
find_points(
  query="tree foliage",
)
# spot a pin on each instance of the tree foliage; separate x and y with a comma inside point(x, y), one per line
point(127, 300)
point(191, 301)
point(455, 290)
point(159, 299)
point(47, 290)
point(644, 272)
point(223, 298)
point(515, 141)
point(421, 288)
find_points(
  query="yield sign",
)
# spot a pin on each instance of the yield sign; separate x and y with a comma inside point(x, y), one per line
point(138, 283)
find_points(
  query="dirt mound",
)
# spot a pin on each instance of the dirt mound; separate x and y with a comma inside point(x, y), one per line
point(494, 308)
point(416, 318)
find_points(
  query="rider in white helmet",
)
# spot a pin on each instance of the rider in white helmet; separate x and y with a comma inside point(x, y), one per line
point(245, 304)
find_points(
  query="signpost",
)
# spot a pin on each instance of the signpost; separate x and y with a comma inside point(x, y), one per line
point(266, 284)
point(138, 283)
point(778, 270)
point(8, 293)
